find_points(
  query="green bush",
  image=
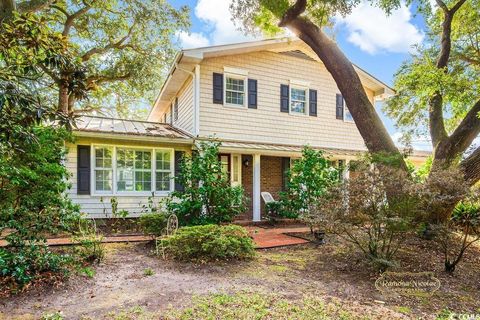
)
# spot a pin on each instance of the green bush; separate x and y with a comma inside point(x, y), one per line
point(213, 200)
point(210, 242)
point(153, 223)
point(24, 264)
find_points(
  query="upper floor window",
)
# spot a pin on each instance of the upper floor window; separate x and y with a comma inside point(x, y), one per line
point(298, 100)
point(347, 116)
point(235, 90)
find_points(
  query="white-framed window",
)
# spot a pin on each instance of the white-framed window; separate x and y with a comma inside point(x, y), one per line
point(134, 170)
point(103, 169)
point(163, 170)
point(121, 170)
point(347, 116)
point(298, 100)
point(235, 90)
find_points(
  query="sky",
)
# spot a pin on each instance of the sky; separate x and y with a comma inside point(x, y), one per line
point(370, 39)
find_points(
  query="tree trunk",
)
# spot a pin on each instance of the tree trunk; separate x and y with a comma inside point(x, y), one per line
point(368, 122)
point(63, 97)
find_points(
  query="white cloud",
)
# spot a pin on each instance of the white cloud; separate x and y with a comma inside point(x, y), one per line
point(217, 16)
point(192, 40)
point(373, 31)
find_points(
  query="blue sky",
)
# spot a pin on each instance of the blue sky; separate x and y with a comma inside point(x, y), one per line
point(375, 42)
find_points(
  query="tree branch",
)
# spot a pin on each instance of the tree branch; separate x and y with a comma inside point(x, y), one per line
point(33, 5)
point(71, 17)
point(368, 122)
point(293, 12)
point(52, 75)
point(116, 45)
point(436, 121)
point(466, 131)
point(98, 79)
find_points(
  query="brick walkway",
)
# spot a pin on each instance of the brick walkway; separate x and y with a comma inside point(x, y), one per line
point(275, 237)
point(264, 238)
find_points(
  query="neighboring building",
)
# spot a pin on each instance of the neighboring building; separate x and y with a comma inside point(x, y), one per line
point(263, 100)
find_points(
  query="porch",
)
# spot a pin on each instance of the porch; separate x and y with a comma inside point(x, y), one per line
point(262, 168)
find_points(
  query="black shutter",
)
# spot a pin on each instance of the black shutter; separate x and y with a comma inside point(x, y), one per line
point(285, 169)
point(218, 88)
point(178, 161)
point(252, 94)
point(284, 94)
point(339, 107)
point(313, 102)
point(175, 110)
point(83, 169)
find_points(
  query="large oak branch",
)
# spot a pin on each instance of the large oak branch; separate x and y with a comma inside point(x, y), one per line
point(363, 112)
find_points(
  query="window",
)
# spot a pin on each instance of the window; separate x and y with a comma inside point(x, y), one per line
point(163, 171)
point(134, 170)
point(175, 109)
point(103, 170)
point(236, 169)
point(235, 91)
point(298, 100)
point(347, 116)
point(122, 170)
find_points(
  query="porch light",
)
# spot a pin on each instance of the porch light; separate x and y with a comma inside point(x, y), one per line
point(246, 163)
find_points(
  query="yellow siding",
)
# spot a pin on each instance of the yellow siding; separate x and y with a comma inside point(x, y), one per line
point(266, 123)
point(91, 204)
point(185, 107)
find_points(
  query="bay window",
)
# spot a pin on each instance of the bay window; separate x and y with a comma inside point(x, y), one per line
point(123, 170)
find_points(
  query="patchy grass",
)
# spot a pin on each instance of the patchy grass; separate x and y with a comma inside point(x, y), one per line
point(248, 305)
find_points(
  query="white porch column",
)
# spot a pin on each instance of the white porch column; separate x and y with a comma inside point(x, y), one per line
point(256, 188)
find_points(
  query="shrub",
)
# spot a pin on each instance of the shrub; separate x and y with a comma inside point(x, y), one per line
point(208, 196)
point(90, 248)
point(374, 211)
point(24, 264)
point(33, 201)
point(153, 223)
point(308, 179)
point(210, 242)
point(465, 221)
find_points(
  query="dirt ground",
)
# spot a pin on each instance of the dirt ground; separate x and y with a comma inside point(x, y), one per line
point(332, 271)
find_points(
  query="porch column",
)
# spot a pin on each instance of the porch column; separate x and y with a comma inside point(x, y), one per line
point(256, 188)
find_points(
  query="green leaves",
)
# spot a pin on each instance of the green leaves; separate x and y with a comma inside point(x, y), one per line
point(208, 196)
point(308, 179)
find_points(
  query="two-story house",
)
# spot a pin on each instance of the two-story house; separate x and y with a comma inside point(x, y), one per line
point(263, 100)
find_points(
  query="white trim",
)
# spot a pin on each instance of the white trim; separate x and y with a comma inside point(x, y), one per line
point(301, 83)
point(237, 71)
point(245, 84)
point(307, 98)
point(256, 188)
point(153, 171)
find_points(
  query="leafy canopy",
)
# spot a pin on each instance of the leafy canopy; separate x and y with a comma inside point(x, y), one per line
point(418, 79)
point(124, 46)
